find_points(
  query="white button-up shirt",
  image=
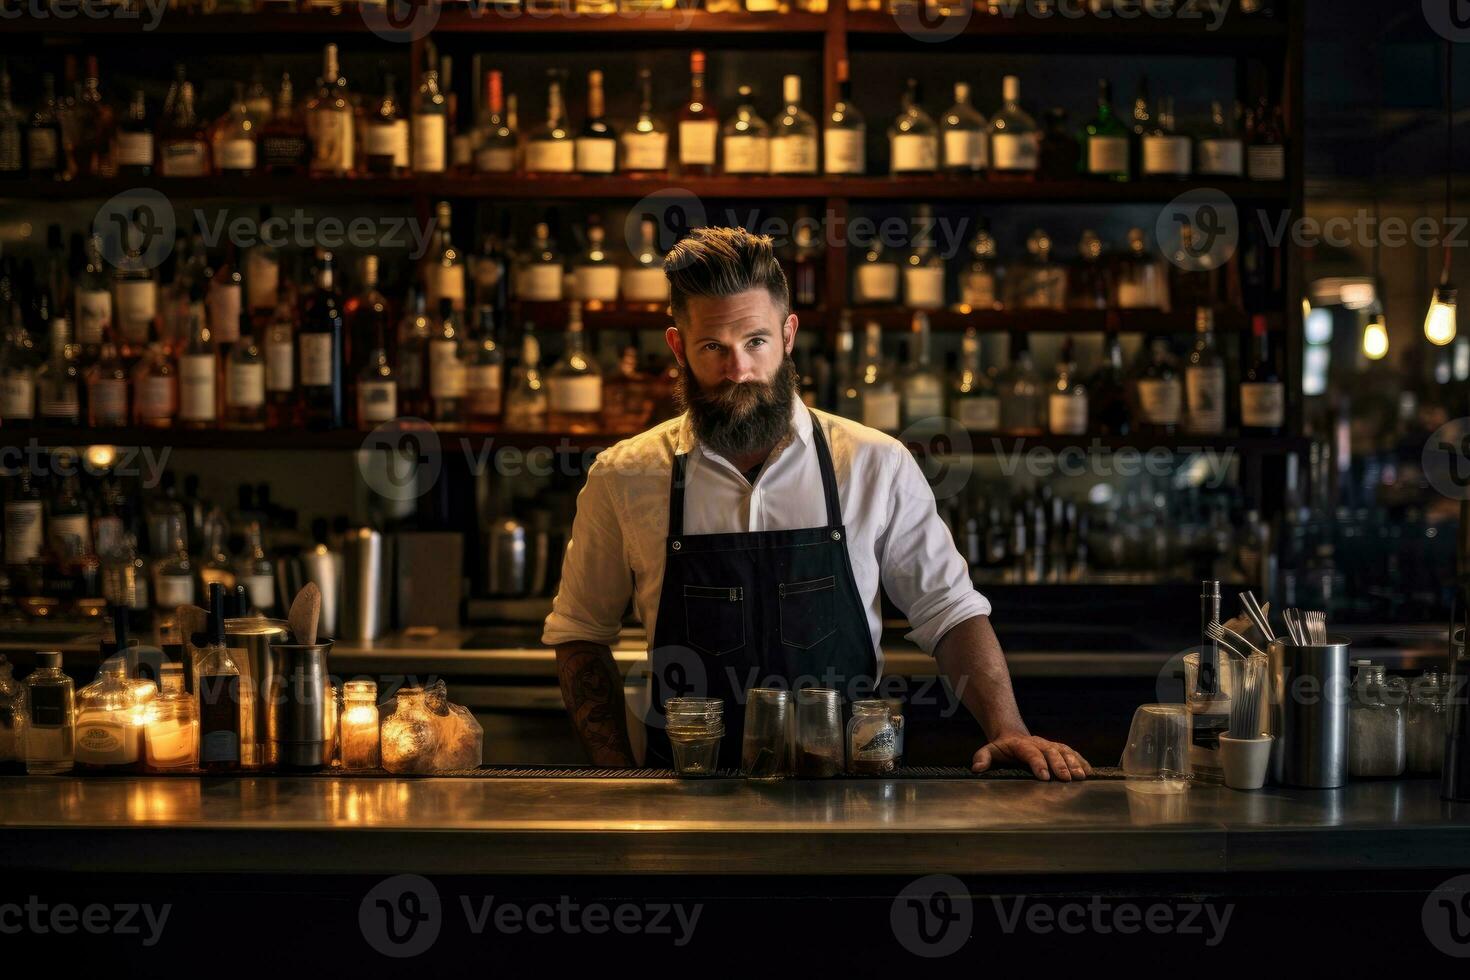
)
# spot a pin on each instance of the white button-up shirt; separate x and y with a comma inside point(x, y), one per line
point(894, 534)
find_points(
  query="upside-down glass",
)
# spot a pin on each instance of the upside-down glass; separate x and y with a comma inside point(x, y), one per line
point(1157, 757)
point(819, 751)
point(695, 727)
point(765, 753)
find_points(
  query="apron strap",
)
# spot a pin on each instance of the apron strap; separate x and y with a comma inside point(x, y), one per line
point(829, 478)
point(678, 476)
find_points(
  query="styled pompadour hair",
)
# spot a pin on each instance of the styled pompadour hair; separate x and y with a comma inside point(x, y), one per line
point(723, 262)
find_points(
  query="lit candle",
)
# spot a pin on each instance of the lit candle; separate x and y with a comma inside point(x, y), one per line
point(358, 730)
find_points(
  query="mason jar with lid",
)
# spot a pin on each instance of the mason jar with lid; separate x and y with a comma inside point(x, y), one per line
point(1425, 724)
point(872, 740)
point(1376, 729)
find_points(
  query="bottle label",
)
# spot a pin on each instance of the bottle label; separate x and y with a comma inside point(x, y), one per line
point(61, 401)
point(70, 535)
point(196, 387)
point(1167, 155)
point(965, 149)
point(845, 152)
point(1221, 157)
point(877, 282)
point(1068, 415)
point(400, 144)
point(1107, 155)
point(1205, 393)
point(446, 370)
point(484, 388)
point(332, 147)
point(22, 531)
point(104, 743)
point(135, 149)
point(794, 155)
point(11, 159)
point(977, 290)
point(881, 410)
point(94, 313)
point(598, 282)
point(237, 154)
point(446, 282)
point(645, 285)
point(174, 590)
point(262, 279)
point(495, 160)
point(377, 400)
point(110, 401)
point(924, 287)
point(914, 152)
point(596, 156)
point(747, 155)
point(386, 140)
point(1266, 162)
point(542, 282)
point(551, 156)
point(697, 140)
point(461, 151)
point(219, 717)
point(283, 152)
point(428, 144)
point(137, 305)
point(574, 395)
point(224, 313)
point(18, 396)
point(246, 385)
point(48, 705)
point(1015, 151)
point(1262, 404)
point(1160, 401)
point(979, 414)
point(280, 366)
point(44, 148)
point(645, 151)
point(316, 360)
point(189, 158)
point(261, 589)
point(924, 403)
point(156, 397)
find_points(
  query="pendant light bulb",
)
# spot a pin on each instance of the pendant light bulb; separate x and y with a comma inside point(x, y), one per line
point(1439, 323)
point(1375, 338)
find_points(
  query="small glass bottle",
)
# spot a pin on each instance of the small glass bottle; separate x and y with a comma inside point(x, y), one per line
point(171, 732)
point(50, 723)
point(109, 721)
point(966, 135)
point(872, 741)
point(217, 687)
point(875, 281)
point(595, 274)
point(1376, 729)
point(644, 286)
point(913, 139)
point(746, 139)
point(358, 730)
point(793, 133)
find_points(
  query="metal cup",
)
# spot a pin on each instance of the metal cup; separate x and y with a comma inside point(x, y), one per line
point(249, 640)
point(1309, 705)
point(298, 699)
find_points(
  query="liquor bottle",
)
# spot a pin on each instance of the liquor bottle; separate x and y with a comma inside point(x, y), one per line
point(386, 140)
point(540, 277)
point(1140, 122)
point(258, 99)
point(746, 139)
point(447, 380)
point(699, 126)
point(574, 383)
point(644, 286)
point(50, 723)
point(413, 357)
point(875, 281)
point(245, 380)
point(284, 146)
point(24, 524)
point(491, 269)
point(627, 393)
point(496, 143)
point(1209, 706)
point(1105, 140)
point(975, 403)
point(1221, 152)
point(1067, 398)
point(255, 571)
point(330, 122)
point(59, 381)
point(595, 274)
point(1158, 391)
point(1108, 387)
point(923, 269)
point(844, 141)
point(979, 281)
point(44, 158)
point(365, 313)
point(1204, 379)
point(217, 680)
point(96, 127)
point(17, 379)
point(526, 398)
point(596, 145)
point(444, 273)
point(282, 406)
point(847, 396)
point(135, 298)
point(1166, 153)
point(12, 132)
point(133, 152)
point(806, 268)
point(966, 135)
point(1142, 282)
point(645, 144)
point(484, 370)
point(923, 388)
point(913, 139)
point(1089, 284)
point(551, 148)
point(377, 385)
point(234, 139)
point(198, 376)
point(1194, 279)
point(322, 355)
point(1039, 283)
point(1014, 141)
point(881, 403)
point(1023, 411)
point(183, 146)
point(1266, 153)
point(1060, 155)
point(215, 566)
point(1262, 394)
point(460, 136)
point(156, 400)
point(430, 126)
point(793, 134)
point(107, 386)
point(92, 300)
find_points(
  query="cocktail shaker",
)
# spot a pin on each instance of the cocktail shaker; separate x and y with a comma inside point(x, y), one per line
point(1309, 687)
point(364, 606)
point(298, 699)
point(249, 639)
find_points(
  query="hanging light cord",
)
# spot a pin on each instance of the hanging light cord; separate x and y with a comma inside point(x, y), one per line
point(1449, 150)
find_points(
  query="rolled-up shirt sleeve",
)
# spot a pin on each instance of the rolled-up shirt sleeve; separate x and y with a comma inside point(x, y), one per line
point(923, 572)
point(596, 578)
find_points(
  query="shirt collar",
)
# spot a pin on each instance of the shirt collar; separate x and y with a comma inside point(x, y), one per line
point(801, 429)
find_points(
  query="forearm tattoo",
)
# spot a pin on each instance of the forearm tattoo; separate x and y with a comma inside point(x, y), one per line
point(593, 693)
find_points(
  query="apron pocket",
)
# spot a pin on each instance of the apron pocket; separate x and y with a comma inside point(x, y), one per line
point(807, 617)
point(714, 618)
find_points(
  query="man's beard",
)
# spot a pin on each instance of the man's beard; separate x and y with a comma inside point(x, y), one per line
point(740, 419)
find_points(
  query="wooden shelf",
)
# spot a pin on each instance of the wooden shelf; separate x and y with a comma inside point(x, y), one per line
point(1075, 29)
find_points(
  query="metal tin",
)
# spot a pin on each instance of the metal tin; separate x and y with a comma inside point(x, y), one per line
point(1310, 698)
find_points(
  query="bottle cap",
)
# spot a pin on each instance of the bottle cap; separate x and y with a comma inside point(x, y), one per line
point(49, 658)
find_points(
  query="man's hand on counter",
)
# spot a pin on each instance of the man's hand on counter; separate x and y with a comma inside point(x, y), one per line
point(1043, 757)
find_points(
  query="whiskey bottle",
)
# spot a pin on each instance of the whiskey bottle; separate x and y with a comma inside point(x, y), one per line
point(92, 300)
point(1067, 399)
point(198, 374)
point(881, 402)
point(923, 269)
point(1158, 392)
point(526, 398)
point(50, 724)
point(430, 126)
point(794, 134)
point(44, 158)
point(596, 145)
point(1142, 282)
point(322, 357)
point(413, 359)
point(1108, 387)
point(217, 687)
point(284, 147)
point(844, 140)
point(746, 139)
point(975, 402)
point(377, 384)
point(551, 148)
point(156, 400)
point(1266, 151)
point(875, 280)
point(979, 281)
point(183, 146)
point(644, 286)
point(1023, 410)
point(923, 388)
point(496, 143)
point(965, 135)
point(913, 140)
point(1262, 394)
point(96, 127)
point(595, 274)
point(1105, 140)
point(574, 383)
point(59, 381)
point(1204, 379)
point(12, 132)
point(107, 386)
point(1014, 140)
point(541, 275)
point(1166, 153)
point(447, 367)
point(245, 380)
point(1089, 284)
point(235, 139)
point(17, 378)
point(330, 123)
point(386, 140)
point(282, 406)
point(699, 126)
point(444, 272)
point(1221, 152)
point(484, 370)
point(645, 144)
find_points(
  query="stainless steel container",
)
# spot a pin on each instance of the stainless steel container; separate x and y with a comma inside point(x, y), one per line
point(364, 607)
point(249, 640)
point(1310, 695)
point(323, 566)
point(298, 699)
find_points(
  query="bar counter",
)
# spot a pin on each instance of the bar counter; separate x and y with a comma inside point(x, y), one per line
point(630, 826)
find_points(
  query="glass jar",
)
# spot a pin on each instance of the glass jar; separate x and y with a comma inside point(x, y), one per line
point(358, 729)
point(109, 733)
point(819, 745)
point(331, 726)
point(695, 727)
point(410, 735)
point(1376, 731)
point(1425, 724)
point(872, 741)
point(765, 751)
point(895, 714)
point(11, 708)
point(171, 726)
point(50, 719)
